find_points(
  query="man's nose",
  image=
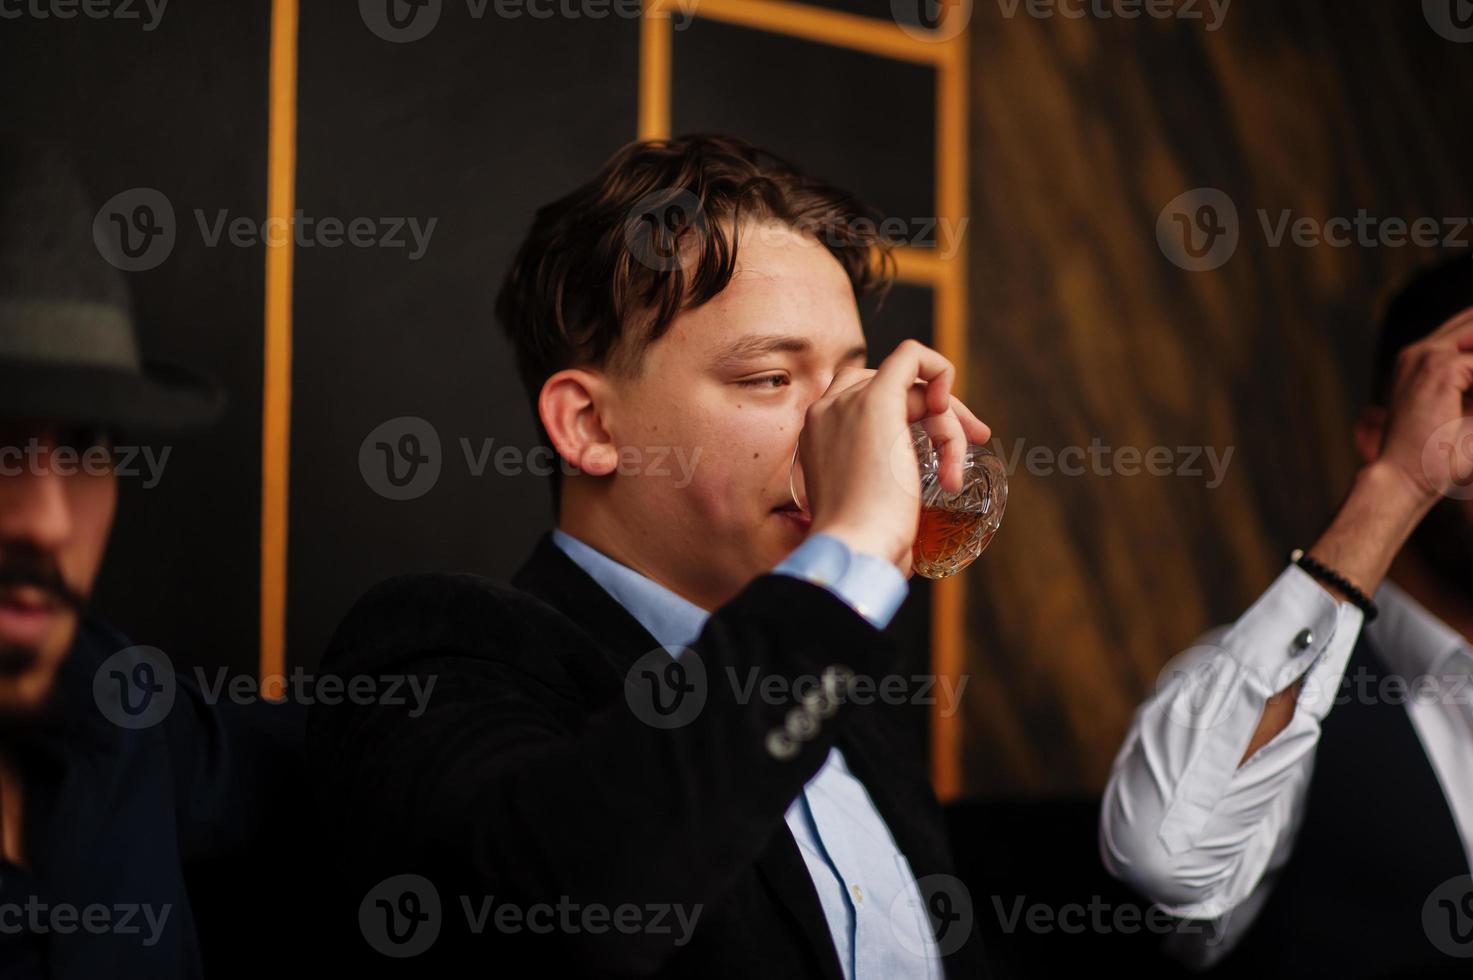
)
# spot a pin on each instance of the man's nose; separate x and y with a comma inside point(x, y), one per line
point(34, 508)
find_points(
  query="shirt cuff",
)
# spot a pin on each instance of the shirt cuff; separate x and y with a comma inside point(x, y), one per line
point(870, 584)
point(1295, 629)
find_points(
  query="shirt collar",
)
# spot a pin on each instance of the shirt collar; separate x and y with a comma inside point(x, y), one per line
point(672, 620)
point(1411, 640)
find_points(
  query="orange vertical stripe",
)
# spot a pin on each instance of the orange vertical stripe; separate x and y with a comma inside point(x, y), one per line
point(944, 269)
point(277, 382)
point(948, 610)
point(654, 72)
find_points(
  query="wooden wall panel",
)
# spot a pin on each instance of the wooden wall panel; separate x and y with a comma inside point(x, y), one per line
point(1082, 132)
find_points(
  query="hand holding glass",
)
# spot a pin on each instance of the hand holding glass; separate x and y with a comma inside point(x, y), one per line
point(955, 527)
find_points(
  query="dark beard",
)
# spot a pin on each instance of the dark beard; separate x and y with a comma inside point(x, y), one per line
point(1444, 542)
point(15, 661)
point(21, 726)
point(23, 565)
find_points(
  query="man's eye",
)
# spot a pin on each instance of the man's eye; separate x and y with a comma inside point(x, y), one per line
point(766, 381)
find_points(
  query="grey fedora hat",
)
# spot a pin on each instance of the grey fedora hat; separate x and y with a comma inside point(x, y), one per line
point(68, 349)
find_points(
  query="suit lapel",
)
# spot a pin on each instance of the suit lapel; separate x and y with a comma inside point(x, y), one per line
point(550, 575)
point(783, 870)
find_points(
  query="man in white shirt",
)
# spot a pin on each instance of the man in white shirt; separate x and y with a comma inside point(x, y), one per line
point(1320, 842)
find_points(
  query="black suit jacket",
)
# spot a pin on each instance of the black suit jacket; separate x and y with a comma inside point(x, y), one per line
point(529, 781)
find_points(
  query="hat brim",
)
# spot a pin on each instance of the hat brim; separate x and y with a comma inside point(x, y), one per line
point(163, 398)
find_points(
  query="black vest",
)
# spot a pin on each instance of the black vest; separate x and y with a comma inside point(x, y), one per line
point(1378, 839)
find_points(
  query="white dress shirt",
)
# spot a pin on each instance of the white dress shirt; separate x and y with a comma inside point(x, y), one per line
point(1204, 837)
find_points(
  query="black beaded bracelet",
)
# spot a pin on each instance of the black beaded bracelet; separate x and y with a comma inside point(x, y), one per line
point(1331, 577)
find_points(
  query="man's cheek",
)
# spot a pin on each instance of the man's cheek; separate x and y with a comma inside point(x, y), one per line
point(686, 464)
point(674, 465)
point(719, 491)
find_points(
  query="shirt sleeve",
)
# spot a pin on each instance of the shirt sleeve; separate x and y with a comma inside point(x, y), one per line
point(874, 587)
point(1182, 821)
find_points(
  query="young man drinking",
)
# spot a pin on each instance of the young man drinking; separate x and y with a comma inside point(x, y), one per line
point(595, 788)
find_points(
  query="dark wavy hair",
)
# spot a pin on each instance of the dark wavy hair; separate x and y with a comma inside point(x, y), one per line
point(1433, 295)
point(605, 270)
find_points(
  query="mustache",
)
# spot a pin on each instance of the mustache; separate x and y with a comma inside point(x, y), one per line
point(38, 572)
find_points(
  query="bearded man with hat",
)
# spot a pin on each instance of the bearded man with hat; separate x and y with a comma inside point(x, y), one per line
point(114, 772)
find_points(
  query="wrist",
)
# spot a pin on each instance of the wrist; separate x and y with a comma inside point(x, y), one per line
point(1393, 491)
point(1383, 508)
point(862, 540)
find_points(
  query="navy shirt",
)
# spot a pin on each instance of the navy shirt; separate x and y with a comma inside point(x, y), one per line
point(114, 809)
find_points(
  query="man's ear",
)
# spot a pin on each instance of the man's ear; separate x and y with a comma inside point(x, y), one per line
point(1370, 429)
point(573, 405)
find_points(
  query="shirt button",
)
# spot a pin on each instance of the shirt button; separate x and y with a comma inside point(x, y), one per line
point(1304, 639)
point(858, 894)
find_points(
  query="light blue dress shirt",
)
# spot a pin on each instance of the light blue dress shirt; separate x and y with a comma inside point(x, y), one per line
point(868, 892)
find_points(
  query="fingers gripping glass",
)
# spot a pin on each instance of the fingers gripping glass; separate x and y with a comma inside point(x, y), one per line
point(955, 528)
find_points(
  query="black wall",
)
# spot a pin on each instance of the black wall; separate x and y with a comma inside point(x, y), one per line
point(180, 108)
point(472, 126)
